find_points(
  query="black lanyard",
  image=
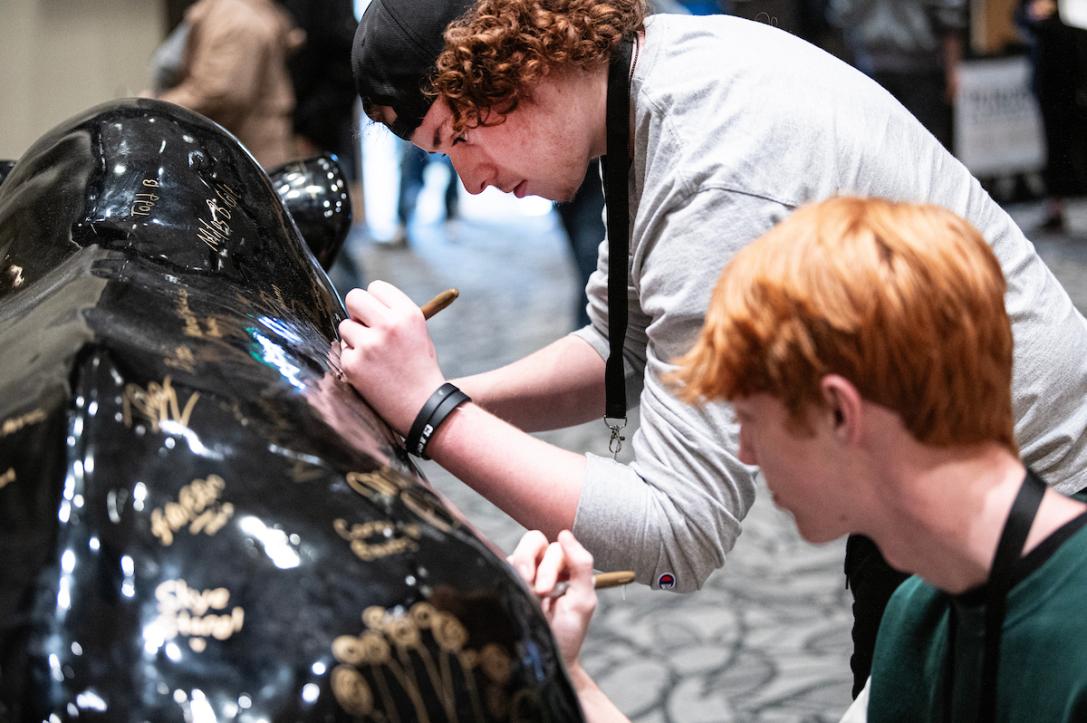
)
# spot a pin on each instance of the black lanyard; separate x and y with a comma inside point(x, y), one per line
point(615, 166)
point(1008, 552)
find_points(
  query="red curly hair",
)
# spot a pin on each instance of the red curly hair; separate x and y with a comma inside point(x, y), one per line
point(905, 301)
point(500, 49)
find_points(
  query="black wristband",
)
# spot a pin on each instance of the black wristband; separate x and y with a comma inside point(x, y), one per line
point(443, 401)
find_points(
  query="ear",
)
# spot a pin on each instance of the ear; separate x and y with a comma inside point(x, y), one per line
point(843, 405)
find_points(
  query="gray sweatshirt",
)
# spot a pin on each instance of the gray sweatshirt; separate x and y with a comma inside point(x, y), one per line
point(737, 123)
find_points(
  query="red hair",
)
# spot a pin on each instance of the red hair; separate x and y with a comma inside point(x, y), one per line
point(906, 301)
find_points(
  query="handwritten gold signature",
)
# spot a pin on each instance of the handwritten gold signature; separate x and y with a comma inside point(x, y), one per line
point(198, 506)
point(157, 404)
point(196, 614)
point(423, 649)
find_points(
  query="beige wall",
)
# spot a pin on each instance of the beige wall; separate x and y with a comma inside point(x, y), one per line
point(59, 57)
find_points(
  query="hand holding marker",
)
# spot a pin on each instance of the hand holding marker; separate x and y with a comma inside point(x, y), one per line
point(600, 580)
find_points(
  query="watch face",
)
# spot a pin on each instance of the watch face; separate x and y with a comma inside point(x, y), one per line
point(199, 519)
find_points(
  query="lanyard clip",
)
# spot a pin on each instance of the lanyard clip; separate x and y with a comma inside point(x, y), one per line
point(616, 442)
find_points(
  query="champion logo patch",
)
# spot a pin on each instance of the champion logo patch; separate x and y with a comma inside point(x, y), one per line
point(666, 581)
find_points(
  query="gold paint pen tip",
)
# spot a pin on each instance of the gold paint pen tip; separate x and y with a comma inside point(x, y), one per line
point(601, 580)
point(439, 302)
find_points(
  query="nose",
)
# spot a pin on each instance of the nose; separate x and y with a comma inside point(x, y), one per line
point(474, 175)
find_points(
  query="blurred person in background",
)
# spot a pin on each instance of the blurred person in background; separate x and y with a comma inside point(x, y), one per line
point(815, 27)
point(582, 220)
point(910, 47)
point(694, 7)
point(413, 165)
point(324, 113)
point(235, 72)
point(1059, 54)
point(324, 119)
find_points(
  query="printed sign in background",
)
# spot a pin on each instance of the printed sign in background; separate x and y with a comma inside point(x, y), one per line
point(998, 128)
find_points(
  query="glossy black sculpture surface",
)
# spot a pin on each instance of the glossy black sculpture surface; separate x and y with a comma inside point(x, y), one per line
point(198, 519)
point(5, 169)
point(314, 190)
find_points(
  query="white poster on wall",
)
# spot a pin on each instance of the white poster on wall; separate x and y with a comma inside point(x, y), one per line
point(1074, 13)
point(998, 129)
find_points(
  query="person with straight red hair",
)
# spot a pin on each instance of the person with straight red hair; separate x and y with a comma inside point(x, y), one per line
point(866, 350)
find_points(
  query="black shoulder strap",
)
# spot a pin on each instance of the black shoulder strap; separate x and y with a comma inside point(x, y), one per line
point(1008, 551)
point(615, 167)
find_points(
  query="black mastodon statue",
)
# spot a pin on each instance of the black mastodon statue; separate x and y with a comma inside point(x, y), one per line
point(199, 521)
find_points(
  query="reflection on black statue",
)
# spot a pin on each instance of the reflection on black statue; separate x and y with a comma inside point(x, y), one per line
point(198, 520)
point(315, 192)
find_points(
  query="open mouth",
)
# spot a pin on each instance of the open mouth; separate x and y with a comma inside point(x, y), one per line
point(520, 190)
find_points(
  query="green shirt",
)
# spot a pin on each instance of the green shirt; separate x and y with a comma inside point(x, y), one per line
point(1043, 654)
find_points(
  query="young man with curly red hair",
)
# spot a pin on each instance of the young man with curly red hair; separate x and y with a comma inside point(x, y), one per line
point(732, 125)
point(865, 347)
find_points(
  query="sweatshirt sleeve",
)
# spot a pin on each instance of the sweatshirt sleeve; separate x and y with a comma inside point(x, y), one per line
point(674, 511)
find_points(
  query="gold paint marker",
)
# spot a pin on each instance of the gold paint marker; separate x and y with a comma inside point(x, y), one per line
point(439, 302)
point(429, 309)
point(601, 580)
